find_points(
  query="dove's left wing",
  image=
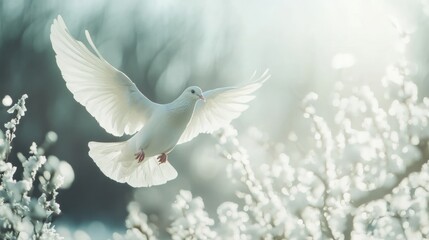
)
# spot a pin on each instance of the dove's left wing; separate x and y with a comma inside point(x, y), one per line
point(107, 93)
point(222, 105)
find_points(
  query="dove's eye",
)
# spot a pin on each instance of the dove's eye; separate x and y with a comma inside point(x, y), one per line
point(192, 91)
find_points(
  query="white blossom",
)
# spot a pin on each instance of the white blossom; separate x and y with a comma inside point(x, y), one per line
point(23, 214)
point(191, 221)
point(137, 225)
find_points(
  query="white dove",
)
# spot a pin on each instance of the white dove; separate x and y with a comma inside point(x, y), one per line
point(120, 108)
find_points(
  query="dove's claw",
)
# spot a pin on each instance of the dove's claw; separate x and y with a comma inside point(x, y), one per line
point(139, 156)
point(162, 158)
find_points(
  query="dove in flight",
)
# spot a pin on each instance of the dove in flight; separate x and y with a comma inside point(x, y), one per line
point(120, 108)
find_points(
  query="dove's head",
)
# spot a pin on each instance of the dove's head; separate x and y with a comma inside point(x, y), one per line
point(194, 92)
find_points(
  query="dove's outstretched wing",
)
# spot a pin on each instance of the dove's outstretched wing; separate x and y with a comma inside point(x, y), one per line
point(107, 93)
point(222, 105)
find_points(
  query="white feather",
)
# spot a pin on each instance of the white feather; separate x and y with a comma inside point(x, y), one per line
point(108, 94)
point(222, 105)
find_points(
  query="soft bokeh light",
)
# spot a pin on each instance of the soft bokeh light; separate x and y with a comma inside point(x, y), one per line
point(343, 61)
point(6, 101)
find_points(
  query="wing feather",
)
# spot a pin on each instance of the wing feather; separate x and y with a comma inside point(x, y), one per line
point(107, 93)
point(222, 105)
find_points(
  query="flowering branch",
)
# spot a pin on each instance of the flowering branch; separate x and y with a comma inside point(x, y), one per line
point(10, 126)
point(23, 214)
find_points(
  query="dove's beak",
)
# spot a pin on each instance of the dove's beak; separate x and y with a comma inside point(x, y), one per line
point(202, 97)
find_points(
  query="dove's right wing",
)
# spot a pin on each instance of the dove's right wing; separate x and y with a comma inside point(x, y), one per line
point(108, 94)
point(222, 105)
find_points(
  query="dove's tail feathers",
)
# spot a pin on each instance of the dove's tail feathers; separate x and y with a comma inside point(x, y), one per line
point(118, 163)
point(149, 173)
point(108, 157)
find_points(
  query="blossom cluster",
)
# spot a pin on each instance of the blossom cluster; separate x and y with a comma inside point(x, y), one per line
point(28, 203)
point(137, 225)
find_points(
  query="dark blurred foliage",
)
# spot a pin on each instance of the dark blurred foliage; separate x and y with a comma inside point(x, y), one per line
point(164, 46)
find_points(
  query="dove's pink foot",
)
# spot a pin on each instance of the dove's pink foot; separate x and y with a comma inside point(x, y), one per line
point(162, 158)
point(139, 156)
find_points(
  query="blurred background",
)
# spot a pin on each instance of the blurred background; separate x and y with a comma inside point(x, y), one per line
point(165, 46)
